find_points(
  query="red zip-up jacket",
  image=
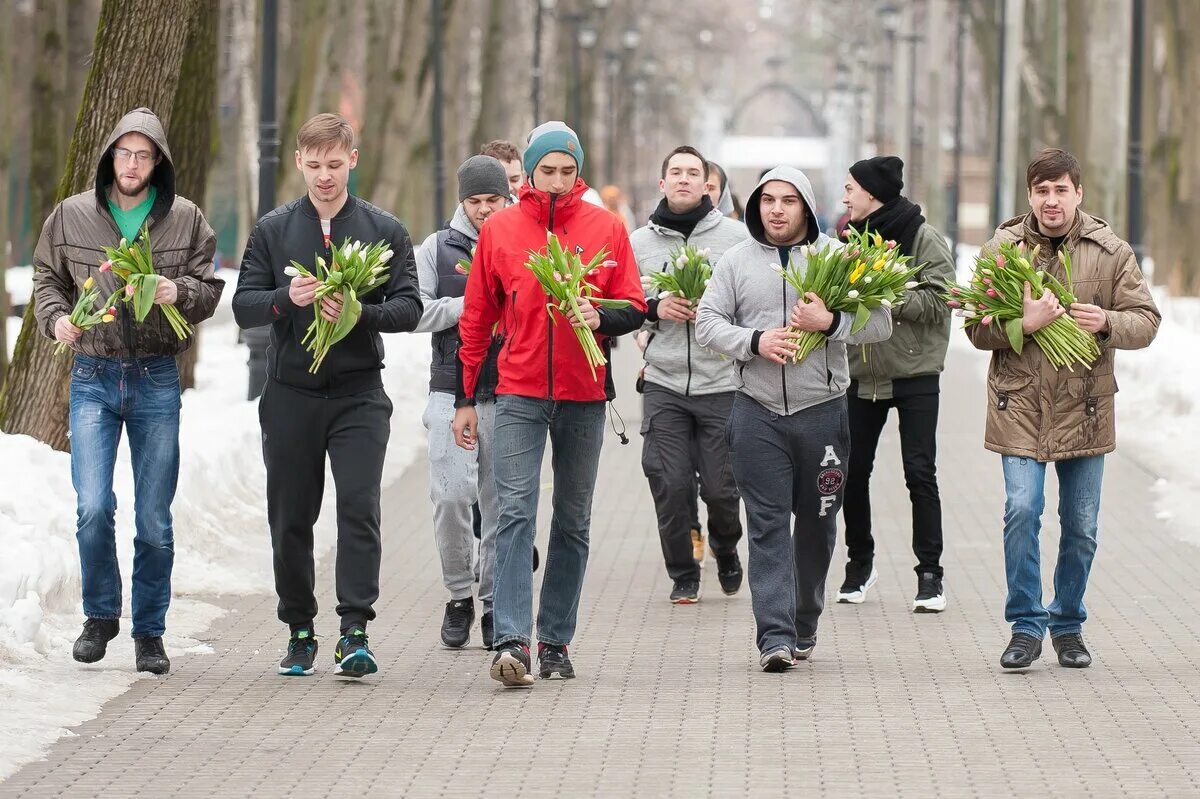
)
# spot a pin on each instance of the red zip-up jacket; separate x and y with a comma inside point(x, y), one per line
point(541, 356)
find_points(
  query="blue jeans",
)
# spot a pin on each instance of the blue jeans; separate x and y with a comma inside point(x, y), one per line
point(143, 395)
point(1078, 512)
point(576, 431)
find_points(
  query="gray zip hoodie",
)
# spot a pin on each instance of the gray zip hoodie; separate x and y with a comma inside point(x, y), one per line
point(441, 313)
point(747, 295)
point(673, 358)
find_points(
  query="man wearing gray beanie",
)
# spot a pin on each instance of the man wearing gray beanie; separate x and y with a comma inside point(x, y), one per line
point(459, 478)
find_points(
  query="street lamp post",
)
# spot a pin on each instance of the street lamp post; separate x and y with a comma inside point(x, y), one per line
point(540, 7)
point(889, 18)
point(1134, 186)
point(439, 166)
point(259, 338)
point(956, 182)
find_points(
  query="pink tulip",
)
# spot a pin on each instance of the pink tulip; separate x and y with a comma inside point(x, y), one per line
point(955, 290)
point(993, 293)
point(983, 305)
point(987, 320)
point(128, 290)
point(891, 245)
point(106, 266)
point(954, 304)
point(987, 281)
point(999, 261)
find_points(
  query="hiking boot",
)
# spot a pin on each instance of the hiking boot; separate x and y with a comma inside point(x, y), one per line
point(150, 655)
point(92, 643)
point(930, 596)
point(685, 592)
point(1022, 650)
point(778, 659)
point(487, 629)
point(457, 621)
point(697, 545)
point(859, 579)
point(511, 665)
point(729, 572)
point(1072, 654)
point(553, 663)
point(353, 657)
point(301, 652)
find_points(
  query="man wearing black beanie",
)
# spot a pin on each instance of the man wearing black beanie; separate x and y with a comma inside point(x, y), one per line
point(900, 373)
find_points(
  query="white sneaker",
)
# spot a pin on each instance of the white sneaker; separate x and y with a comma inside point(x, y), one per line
point(858, 595)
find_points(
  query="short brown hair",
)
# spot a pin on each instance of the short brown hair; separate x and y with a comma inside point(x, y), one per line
point(685, 149)
point(1051, 164)
point(503, 151)
point(324, 132)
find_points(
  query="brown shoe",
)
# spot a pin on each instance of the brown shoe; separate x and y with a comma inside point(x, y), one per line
point(697, 545)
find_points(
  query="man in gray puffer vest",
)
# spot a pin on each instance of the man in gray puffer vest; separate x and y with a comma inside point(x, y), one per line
point(788, 432)
point(458, 477)
point(687, 389)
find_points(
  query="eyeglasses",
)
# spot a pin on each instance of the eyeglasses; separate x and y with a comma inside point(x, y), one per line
point(141, 156)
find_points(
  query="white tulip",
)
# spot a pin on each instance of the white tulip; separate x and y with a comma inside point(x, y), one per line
point(867, 279)
point(777, 269)
point(291, 271)
point(885, 303)
point(387, 256)
point(681, 261)
point(320, 262)
point(663, 295)
point(852, 294)
point(912, 284)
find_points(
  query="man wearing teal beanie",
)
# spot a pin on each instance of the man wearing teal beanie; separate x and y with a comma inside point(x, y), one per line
point(552, 137)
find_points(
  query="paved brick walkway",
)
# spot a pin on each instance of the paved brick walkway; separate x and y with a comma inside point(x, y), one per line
point(670, 701)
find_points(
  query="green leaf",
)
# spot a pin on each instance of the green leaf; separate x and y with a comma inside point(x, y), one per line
point(143, 297)
point(1016, 336)
point(351, 311)
point(862, 315)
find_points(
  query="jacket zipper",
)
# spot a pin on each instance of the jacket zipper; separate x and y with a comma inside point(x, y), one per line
point(550, 322)
point(687, 392)
point(783, 366)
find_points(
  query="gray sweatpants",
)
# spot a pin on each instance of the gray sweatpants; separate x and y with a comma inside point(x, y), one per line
point(787, 465)
point(458, 479)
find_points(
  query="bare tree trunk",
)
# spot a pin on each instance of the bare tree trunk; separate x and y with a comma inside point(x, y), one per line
point(46, 112)
point(5, 150)
point(194, 130)
point(245, 44)
point(138, 52)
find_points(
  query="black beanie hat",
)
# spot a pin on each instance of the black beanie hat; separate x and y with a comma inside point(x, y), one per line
point(882, 176)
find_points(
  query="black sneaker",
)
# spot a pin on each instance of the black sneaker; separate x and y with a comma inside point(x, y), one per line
point(150, 655)
point(456, 623)
point(930, 596)
point(859, 579)
point(685, 592)
point(1022, 650)
point(302, 651)
point(729, 572)
point(537, 559)
point(511, 665)
point(553, 663)
point(353, 657)
point(487, 629)
point(778, 659)
point(92, 643)
point(1072, 654)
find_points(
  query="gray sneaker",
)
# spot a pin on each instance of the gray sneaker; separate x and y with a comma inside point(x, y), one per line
point(778, 659)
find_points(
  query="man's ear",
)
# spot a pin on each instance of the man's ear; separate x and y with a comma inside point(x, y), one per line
point(354, 158)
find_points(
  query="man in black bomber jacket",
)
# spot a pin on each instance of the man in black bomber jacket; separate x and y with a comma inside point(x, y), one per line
point(341, 410)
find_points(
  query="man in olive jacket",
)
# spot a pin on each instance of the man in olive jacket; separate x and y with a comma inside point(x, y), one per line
point(1037, 414)
point(902, 373)
point(124, 372)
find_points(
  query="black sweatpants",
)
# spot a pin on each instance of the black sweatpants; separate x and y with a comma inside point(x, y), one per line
point(785, 466)
point(683, 436)
point(918, 450)
point(298, 431)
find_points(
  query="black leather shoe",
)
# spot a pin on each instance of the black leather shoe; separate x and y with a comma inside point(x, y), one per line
point(150, 655)
point(1022, 650)
point(1072, 654)
point(92, 643)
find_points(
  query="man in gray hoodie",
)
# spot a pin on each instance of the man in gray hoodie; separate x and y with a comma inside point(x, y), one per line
point(687, 389)
point(788, 433)
point(458, 477)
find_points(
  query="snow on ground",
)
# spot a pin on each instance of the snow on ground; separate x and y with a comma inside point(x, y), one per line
point(222, 545)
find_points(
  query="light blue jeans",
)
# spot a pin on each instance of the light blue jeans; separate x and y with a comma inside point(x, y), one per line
point(576, 432)
point(143, 396)
point(1078, 512)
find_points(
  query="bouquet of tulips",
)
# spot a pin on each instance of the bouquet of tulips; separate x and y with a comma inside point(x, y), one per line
point(866, 274)
point(85, 315)
point(563, 277)
point(354, 269)
point(687, 278)
point(996, 295)
point(133, 264)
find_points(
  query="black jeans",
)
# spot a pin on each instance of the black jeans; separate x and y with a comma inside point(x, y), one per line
point(298, 431)
point(682, 437)
point(918, 448)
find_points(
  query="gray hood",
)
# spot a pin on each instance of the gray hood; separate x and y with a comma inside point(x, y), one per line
point(143, 121)
point(463, 224)
point(798, 179)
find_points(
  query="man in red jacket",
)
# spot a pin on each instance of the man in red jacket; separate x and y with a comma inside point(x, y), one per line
point(545, 388)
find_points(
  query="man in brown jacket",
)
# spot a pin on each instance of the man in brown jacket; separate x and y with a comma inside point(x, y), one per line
point(1037, 414)
point(124, 373)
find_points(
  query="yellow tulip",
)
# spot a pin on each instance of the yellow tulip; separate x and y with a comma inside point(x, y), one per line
point(87, 284)
point(107, 318)
point(879, 264)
